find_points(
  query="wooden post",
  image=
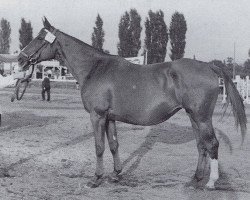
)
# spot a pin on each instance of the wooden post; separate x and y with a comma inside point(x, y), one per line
point(224, 94)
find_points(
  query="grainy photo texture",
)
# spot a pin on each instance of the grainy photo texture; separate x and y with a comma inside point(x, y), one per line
point(109, 99)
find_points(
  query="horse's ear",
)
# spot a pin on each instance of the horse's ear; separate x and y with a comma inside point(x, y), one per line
point(46, 23)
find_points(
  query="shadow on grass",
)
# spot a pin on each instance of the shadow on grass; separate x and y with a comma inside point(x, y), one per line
point(169, 134)
point(15, 120)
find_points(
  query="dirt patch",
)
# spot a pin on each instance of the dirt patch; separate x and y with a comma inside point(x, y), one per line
point(16, 120)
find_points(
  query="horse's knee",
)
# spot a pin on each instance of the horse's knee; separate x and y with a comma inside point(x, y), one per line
point(113, 146)
point(99, 150)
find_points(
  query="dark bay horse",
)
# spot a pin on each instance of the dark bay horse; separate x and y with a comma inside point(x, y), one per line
point(113, 89)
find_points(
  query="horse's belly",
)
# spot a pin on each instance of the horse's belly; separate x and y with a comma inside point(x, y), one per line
point(161, 113)
point(149, 116)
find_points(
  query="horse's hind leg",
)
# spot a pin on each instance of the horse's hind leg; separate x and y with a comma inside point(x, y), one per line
point(212, 146)
point(207, 144)
point(113, 145)
point(202, 159)
point(98, 123)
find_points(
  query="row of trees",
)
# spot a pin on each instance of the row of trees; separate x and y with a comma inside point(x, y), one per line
point(129, 34)
point(156, 35)
point(25, 35)
point(156, 39)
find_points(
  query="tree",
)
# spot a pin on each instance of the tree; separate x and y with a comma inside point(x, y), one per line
point(98, 34)
point(135, 31)
point(129, 34)
point(5, 31)
point(25, 33)
point(239, 70)
point(177, 33)
point(218, 63)
point(230, 65)
point(156, 37)
point(123, 45)
point(247, 67)
point(230, 61)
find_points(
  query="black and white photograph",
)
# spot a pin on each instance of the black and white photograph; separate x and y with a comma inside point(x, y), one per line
point(124, 100)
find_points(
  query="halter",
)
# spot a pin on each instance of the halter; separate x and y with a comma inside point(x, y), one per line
point(49, 39)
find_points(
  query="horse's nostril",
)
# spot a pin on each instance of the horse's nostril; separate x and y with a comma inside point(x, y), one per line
point(19, 59)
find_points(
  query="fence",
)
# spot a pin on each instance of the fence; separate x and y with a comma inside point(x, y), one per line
point(242, 85)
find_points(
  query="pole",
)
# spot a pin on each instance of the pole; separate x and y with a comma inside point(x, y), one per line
point(224, 100)
point(0, 119)
point(234, 63)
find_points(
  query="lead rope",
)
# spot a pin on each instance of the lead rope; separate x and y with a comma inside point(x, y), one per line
point(24, 82)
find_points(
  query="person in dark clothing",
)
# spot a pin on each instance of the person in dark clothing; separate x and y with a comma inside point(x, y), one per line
point(46, 87)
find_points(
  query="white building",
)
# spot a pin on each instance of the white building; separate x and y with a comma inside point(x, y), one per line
point(57, 72)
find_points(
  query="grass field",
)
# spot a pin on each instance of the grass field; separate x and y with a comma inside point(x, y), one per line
point(48, 150)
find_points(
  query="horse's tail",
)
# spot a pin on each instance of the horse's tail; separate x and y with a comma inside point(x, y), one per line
point(234, 98)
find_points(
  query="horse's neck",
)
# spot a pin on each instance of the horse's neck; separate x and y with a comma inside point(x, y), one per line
point(77, 56)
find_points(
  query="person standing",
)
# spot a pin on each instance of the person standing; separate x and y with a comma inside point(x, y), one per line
point(46, 87)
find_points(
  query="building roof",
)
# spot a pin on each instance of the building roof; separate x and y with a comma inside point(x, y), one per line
point(8, 58)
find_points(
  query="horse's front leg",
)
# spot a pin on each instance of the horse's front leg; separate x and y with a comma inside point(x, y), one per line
point(113, 145)
point(98, 123)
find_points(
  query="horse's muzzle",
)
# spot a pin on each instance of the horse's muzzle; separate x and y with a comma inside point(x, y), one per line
point(23, 62)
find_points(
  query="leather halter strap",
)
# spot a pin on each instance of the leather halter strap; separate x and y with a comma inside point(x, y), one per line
point(33, 60)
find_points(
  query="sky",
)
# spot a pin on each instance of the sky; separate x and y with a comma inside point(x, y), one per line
point(214, 27)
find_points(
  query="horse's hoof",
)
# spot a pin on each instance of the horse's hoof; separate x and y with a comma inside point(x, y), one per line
point(95, 182)
point(12, 99)
point(192, 184)
point(4, 173)
point(196, 183)
point(114, 178)
point(209, 187)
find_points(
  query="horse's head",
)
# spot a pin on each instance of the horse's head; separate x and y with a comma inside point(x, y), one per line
point(41, 48)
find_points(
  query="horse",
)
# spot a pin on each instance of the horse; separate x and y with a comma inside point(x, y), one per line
point(113, 89)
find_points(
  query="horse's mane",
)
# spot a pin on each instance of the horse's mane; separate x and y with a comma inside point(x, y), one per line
point(85, 44)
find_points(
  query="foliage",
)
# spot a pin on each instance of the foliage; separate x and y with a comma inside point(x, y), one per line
point(5, 31)
point(218, 63)
point(98, 34)
point(129, 34)
point(229, 60)
point(25, 33)
point(247, 67)
point(239, 70)
point(156, 37)
point(177, 33)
